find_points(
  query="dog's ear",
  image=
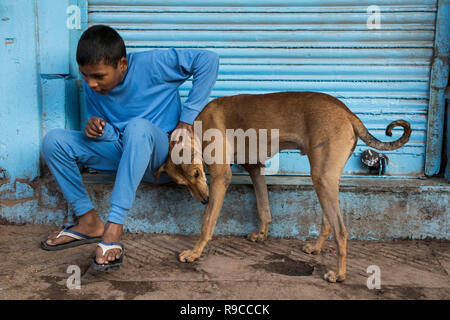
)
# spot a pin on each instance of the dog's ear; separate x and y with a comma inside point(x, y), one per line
point(159, 171)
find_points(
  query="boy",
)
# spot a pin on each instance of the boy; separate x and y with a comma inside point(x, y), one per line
point(133, 105)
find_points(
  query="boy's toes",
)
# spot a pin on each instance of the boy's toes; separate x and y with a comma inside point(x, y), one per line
point(51, 238)
point(115, 254)
point(101, 260)
point(108, 257)
point(111, 256)
point(51, 241)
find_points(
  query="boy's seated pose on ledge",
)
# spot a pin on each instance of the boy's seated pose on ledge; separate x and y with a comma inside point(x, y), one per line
point(133, 105)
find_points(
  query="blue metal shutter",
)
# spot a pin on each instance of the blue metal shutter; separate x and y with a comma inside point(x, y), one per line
point(310, 45)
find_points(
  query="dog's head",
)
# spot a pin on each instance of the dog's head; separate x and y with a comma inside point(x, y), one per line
point(187, 168)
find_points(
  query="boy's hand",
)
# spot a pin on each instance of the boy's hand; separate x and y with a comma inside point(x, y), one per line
point(94, 127)
point(178, 135)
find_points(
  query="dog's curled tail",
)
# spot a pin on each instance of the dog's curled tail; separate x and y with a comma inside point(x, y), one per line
point(373, 142)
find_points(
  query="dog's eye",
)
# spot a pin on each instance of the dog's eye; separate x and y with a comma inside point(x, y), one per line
point(197, 174)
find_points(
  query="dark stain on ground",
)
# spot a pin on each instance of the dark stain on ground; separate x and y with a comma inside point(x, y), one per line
point(131, 289)
point(410, 293)
point(285, 266)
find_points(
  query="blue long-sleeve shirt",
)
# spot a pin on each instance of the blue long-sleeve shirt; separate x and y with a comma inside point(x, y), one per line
point(149, 88)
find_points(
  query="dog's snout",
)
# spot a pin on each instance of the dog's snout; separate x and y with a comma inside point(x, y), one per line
point(205, 200)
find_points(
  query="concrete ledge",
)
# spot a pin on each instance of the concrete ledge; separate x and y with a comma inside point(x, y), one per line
point(373, 209)
point(355, 183)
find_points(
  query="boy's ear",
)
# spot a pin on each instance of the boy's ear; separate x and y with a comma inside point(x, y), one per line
point(123, 63)
point(159, 171)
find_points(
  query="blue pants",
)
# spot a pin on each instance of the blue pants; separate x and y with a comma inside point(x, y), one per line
point(135, 154)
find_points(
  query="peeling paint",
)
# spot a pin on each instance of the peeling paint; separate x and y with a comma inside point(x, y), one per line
point(16, 193)
point(3, 178)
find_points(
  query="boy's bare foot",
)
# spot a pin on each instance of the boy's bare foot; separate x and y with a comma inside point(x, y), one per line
point(89, 224)
point(113, 233)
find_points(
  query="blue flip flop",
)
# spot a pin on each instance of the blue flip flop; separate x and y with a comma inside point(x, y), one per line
point(80, 239)
point(111, 265)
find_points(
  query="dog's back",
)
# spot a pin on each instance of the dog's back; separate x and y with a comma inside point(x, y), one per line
point(294, 114)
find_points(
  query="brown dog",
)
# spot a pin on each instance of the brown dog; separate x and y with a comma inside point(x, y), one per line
point(317, 124)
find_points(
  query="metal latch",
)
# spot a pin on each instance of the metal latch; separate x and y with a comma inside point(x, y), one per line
point(375, 161)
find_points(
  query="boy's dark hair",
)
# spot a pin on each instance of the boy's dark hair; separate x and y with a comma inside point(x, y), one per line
point(98, 44)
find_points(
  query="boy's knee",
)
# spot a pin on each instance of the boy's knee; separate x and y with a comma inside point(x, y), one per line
point(140, 128)
point(138, 124)
point(52, 140)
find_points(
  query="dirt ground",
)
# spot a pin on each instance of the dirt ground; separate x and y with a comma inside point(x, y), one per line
point(230, 268)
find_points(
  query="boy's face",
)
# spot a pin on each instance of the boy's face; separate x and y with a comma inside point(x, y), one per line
point(103, 78)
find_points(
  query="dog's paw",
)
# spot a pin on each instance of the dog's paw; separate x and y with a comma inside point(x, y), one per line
point(188, 256)
point(257, 236)
point(310, 248)
point(331, 276)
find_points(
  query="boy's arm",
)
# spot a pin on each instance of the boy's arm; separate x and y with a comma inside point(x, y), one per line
point(96, 123)
point(203, 65)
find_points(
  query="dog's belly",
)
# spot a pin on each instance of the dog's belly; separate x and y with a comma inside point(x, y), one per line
point(285, 145)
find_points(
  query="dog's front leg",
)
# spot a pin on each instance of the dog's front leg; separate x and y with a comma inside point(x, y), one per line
point(220, 180)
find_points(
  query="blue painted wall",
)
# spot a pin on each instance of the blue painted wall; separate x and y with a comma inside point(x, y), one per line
point(20, 90)
point(38, 92)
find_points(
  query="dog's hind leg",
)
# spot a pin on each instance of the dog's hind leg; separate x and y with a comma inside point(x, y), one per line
point(327, 189)
point(318, 245)
point(220, 180)
point(262, 202)
point(325, 230)
point(327, 164)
